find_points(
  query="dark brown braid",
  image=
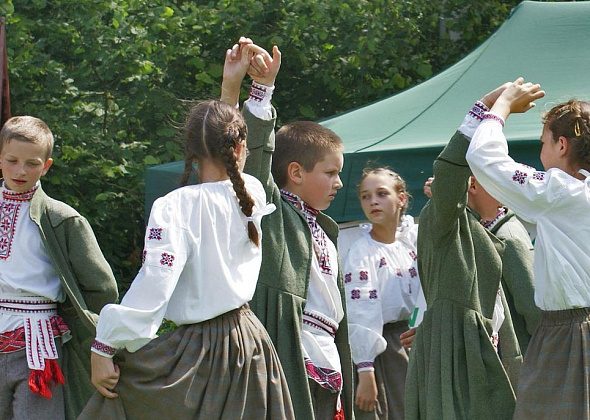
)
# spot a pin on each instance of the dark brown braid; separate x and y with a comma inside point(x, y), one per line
point(572, 120)
point(228, 158)
point(213, 130)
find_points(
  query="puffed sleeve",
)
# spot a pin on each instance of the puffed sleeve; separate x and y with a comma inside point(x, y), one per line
point(526, 191)
point(135, 321)
point(363, 303)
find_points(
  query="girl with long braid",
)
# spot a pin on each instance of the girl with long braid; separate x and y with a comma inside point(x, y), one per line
point(201, 262)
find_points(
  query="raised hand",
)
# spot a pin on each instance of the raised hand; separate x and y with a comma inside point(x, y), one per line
point(518, 97)
point(264, 68)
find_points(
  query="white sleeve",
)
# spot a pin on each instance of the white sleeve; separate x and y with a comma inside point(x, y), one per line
point(258, 103)
point(528, 192)
point(135, 321)
point(363, 303)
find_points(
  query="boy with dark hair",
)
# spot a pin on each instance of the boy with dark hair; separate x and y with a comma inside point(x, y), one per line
point(53, 281)
point(300, 296)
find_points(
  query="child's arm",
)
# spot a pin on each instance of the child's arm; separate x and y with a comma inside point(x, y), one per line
point(260, 118)
point(237, 62)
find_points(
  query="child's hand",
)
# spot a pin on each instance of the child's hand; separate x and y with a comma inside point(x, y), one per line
point(517, 98)
point(426, 188)
point(366, 391)
point(237, 61)
point(407, 338)
point(105, 374)
point(264, 68)
point(491, 97)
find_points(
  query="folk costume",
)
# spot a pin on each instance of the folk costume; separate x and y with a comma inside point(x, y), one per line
point(455, 371)
point(300, 295)
point(199, 271)
point(554, 382)
point(382, 288)
point(53, 280)
point(517, 276)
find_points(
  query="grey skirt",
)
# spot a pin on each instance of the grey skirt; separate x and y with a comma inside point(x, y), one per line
point(391, 367)
point(555, 377)
point(222, 368)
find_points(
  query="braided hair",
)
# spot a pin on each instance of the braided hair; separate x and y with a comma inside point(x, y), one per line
point(572, 121)
point(213, 130)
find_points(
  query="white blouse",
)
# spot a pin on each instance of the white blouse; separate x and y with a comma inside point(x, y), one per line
point(382, 285)
point(556, 202)
point(198, 263)
point(25, 268)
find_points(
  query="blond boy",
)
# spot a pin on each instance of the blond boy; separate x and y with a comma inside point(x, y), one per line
point(53, 281)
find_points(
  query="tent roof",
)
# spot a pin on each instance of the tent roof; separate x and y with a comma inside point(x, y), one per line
point(546, 43)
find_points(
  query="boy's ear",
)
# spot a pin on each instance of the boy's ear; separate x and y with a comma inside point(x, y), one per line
point(47, 165)
point(472, 187)
point(295, 173)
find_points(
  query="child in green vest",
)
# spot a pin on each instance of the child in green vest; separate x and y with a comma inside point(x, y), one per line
point(53, 281)
point(299, 297)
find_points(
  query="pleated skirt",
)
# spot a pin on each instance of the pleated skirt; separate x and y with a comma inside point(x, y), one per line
point(391, 368)
point(555, 378)
point(223, 368)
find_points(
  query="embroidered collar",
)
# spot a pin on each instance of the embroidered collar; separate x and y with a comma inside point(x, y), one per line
point(300, 204)
point(488, 224)
point(18, 197)
point(318, 234)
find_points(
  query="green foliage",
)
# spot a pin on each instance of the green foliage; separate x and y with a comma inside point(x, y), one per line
point(112, 78)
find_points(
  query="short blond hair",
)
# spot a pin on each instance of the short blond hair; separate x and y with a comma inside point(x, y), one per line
point(28, 129)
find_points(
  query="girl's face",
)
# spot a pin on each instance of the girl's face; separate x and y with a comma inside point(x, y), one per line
point(550, 150)
point(380, 202)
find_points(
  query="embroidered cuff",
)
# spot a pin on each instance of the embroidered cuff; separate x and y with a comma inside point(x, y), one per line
point(472, 119)
point(491, 116)
point(261, 93)
point(365, 367)
point(478, 111)
point(103, 349)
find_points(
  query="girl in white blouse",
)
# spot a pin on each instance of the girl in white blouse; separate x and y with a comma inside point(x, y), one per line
point(382, 287)
point(555, 378)
point(201, 262)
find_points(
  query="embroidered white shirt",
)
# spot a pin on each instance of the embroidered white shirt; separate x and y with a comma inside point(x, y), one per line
point(198, 263)
point(25, 268)
point(382, 285)
point(556, 202)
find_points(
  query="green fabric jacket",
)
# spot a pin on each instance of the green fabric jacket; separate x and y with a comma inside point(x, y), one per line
point(517, 278)
point(454, 371)
point(88, 282)
point(281, 291)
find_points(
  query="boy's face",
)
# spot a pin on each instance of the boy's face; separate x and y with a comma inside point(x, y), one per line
point(318, 187)
point(22, 164)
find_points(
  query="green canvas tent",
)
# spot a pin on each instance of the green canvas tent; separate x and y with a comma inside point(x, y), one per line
point(547, 43)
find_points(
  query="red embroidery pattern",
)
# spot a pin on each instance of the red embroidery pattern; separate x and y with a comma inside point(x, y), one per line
point(372, 294)
point(320, 323)
point(143, 255)
point(362, 365)
point(155, 234)
point(355, 294)
point(363, 275)
point(519, 177)
point(539, 176)
point(347, 277)
point(167, 259)
point(8, 217)
point(326, 378)
point(413, 255)
point(103, 348)
point(413, 272)
point(18, 197)
point(382, 262)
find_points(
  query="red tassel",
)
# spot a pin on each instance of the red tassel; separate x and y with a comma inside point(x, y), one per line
point(340, 414)
point(41, 381)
